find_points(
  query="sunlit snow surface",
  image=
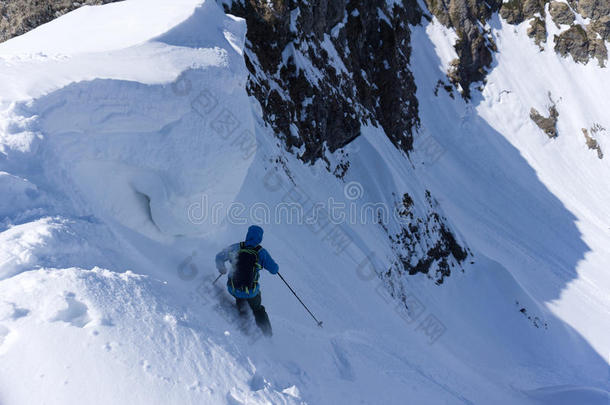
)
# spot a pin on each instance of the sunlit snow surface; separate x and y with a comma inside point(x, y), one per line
point(119, 122)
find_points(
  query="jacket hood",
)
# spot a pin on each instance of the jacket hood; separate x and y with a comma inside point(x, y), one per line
point(254, 235)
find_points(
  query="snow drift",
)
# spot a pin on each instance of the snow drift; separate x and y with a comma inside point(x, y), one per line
point(113, 147)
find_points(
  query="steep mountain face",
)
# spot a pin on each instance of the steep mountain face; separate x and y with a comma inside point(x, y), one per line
point(475, 47)
point(322, 69)
point(19, 16)
point(469, 265)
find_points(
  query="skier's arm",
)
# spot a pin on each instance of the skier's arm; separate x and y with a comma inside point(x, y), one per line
point(222, 257)
point(267, 262)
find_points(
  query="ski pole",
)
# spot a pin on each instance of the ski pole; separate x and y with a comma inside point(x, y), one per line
point(214, 282)
point(295, 294)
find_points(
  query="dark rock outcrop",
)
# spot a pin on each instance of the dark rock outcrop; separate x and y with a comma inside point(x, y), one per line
point(580, 42)
point(573, 42)
point(20, 16)
point(323, 68)
point(597, 48)
point(582, 45)
point(561, 13)
point(547, 124)
point(517, 11)
point(537, 31)
point(474, 46)
point(602, 27)
point(591, 141)
point(424, 244)
point(594, 9)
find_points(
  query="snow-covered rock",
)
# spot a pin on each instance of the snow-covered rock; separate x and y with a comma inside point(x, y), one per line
point(471, 270)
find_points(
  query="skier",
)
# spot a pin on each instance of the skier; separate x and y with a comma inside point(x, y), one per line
point(246, 259)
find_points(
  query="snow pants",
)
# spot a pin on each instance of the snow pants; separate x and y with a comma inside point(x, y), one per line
point(260, 315)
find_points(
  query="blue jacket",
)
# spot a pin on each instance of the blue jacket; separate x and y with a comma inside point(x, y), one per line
point(253, 238)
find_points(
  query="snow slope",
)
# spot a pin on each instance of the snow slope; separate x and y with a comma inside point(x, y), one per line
point(113, 146)
point(537, 205)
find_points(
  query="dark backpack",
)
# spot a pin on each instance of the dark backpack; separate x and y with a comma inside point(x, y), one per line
point(245, 275)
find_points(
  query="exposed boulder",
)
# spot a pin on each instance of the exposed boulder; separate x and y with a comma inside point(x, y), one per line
point(575, 42)
point(594, 9)
point(512, 12)
point(597, 49)
point(582, 45)
point(561, 13)
point(547, 124)
point(601, 27)
point(592, 142)
point(517, 11)
point(537, 31)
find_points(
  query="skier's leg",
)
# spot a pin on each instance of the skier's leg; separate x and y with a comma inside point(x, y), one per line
point(260, 315)
point(241, 306)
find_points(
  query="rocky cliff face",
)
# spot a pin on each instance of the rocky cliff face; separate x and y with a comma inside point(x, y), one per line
point(321, 69)
point(423, 244)
point(19, 16)
point(475, 46)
